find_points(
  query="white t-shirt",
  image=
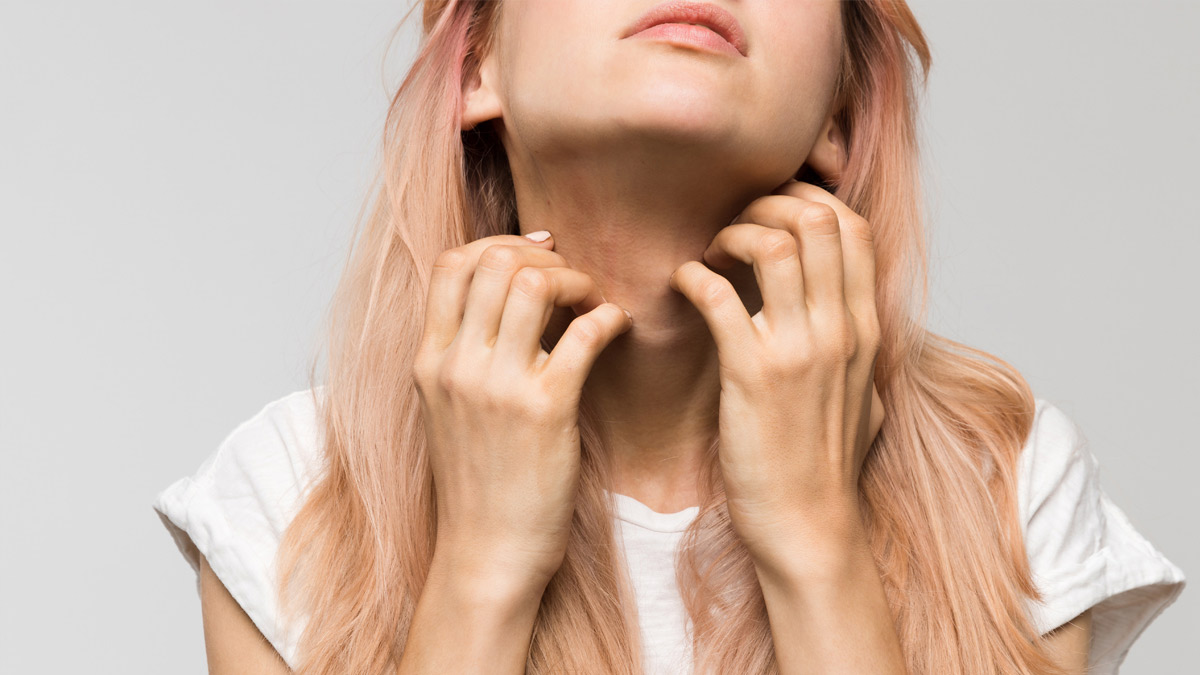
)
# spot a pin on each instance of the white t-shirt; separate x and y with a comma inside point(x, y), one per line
point(1083, 550)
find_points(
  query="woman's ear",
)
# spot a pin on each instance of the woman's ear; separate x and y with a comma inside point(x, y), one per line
point(828, 155)
point(480, 101)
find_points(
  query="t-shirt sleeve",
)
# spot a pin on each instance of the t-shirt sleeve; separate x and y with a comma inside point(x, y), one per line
point(1083, 550)
point(236, 506)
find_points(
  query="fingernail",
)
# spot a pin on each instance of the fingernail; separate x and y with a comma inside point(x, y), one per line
point(627, 313)
point(540, 235)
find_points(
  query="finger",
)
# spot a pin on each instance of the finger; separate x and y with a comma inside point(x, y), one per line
point(532, 296)
point(816, 226)
point(877, 413)
point(858, 247)
point(774, 254)
point(490, 285)
point(719, 304)
point(450, 281)
point(586, 336)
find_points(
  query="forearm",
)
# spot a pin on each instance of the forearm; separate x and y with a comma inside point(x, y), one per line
point(828, 609)
point(466, 623)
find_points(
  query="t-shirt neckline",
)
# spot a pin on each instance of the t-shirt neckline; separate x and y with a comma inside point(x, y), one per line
point(635, 512)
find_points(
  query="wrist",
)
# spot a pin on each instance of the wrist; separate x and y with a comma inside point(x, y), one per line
point(820, 550)
point(487, 583)
point(467, 620)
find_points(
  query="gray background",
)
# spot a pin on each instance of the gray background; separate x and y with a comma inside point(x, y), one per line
point(177, 184)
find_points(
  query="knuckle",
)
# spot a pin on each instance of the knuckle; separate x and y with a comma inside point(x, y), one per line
point(452, 381)
point(714, 291)
point(820, 218)
point(849, 345)
point(532, 281)
point(868, 321)
point(839, 341)
point(844, 341)
point(870, 344)
point(500, 257)
point(872, 338)
point(530, 405)
point(450, 260)
point(777, 245)
point(586, 330)
point(859, 228)
point(424, 372)
point(794, 360)
point(458, 376)
point(496, 394)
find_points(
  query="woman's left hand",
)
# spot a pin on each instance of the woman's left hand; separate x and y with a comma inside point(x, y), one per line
point(798, 408)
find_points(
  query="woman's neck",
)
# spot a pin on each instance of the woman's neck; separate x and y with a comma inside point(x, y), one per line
point(656, 386)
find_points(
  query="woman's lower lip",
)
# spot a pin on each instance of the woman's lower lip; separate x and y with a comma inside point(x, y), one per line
point(689, 34)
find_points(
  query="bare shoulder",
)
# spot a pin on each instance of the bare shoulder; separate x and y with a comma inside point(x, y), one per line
point(1069, 643)
point(232, 641)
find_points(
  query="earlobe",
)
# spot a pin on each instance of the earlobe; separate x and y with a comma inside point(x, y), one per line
point(480, 102)
point(828, 155)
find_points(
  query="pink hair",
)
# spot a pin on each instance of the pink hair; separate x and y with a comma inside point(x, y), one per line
point(938, 487)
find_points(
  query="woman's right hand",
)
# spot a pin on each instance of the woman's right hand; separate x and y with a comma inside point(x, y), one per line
point(500, 413)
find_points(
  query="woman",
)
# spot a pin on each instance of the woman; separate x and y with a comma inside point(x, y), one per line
point(764, 464)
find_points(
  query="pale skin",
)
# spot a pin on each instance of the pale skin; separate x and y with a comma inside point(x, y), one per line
point(674, 201)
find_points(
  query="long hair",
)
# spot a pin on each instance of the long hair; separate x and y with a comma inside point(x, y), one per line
point(938, 489)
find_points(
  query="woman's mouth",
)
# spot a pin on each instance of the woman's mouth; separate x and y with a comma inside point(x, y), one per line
point(703, 24)
point(690, 34)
